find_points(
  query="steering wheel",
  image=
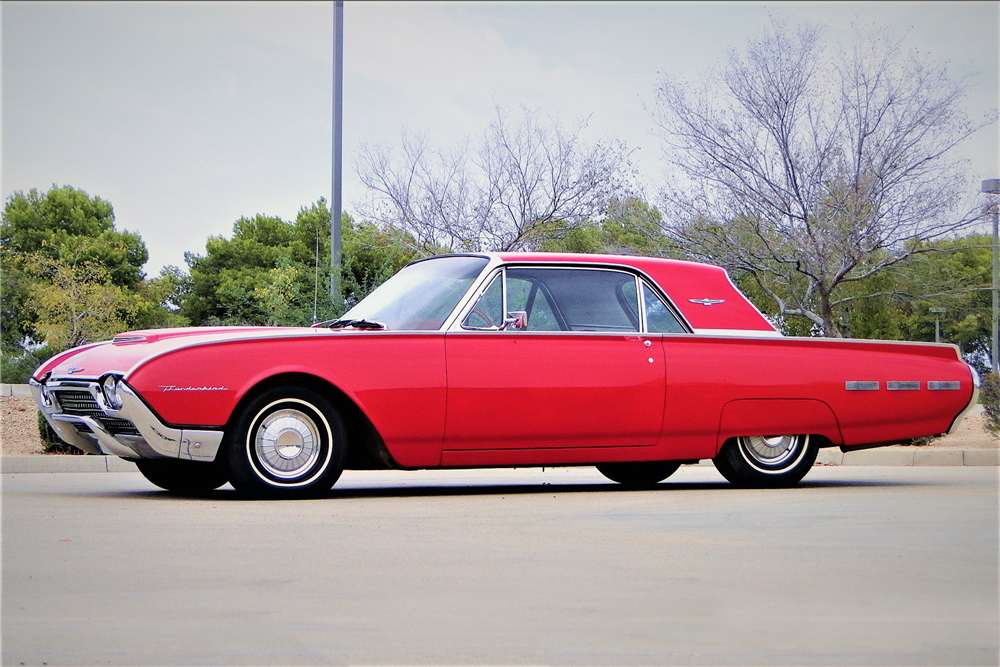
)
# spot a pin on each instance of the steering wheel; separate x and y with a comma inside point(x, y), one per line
point(483, 315)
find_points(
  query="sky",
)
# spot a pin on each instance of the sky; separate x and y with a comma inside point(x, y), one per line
point(187, 116)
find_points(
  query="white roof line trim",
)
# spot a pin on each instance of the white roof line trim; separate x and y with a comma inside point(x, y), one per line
point(743, 333)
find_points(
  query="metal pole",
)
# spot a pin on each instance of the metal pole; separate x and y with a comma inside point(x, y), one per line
point(338, 150)
point(938, 311)
point(996, 286)
point(992, 186)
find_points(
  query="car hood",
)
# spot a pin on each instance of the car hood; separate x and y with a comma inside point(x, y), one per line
point(127, 350)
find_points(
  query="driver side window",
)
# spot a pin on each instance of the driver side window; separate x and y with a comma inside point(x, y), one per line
point(488, 311)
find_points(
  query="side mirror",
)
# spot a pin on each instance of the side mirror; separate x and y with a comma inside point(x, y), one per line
point(516, 319)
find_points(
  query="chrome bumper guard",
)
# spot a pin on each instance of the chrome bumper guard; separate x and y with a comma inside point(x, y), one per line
point(155, 439)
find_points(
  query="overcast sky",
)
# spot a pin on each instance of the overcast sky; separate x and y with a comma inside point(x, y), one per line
point(187, 116)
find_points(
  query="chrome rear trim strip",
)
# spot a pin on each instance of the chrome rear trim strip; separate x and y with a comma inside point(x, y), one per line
point(855, 385)
point(944, 386)
point(902, 386)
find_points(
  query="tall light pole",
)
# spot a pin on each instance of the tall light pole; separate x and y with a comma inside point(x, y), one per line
point(992, 187)
point(938, 312)
point(338, 151)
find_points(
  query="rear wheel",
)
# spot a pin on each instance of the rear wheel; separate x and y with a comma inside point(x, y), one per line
point(639, 475)
point(287, 442)
point(766, 461)
point(183, 477)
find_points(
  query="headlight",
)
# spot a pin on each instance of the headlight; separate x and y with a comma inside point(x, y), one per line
point(111, 395)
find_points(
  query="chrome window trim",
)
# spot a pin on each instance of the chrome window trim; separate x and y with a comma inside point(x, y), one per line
point(478, 294)
point(740, 333)
point(453, 321)
point(640, 304)
point(639, 278)
point(670, 307)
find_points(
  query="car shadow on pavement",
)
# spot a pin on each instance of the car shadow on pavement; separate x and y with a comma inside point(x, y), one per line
point(527, 489)
point(228, 494)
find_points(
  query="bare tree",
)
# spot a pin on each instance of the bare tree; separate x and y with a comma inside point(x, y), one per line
point(809, 172)
point(498, 195)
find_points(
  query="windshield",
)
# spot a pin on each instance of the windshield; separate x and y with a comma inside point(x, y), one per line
point(421, 296)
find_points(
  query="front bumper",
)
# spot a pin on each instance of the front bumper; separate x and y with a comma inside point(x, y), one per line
point(79, 414)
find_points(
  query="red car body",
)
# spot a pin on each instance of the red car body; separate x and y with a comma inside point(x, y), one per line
point(471, 392)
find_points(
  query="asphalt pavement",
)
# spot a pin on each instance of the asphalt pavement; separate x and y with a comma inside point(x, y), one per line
point(858, 565)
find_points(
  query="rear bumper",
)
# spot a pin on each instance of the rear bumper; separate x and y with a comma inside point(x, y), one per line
point(972, 401)
point(151, 438)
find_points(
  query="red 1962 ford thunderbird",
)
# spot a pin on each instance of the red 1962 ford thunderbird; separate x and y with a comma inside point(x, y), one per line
point(634, 365)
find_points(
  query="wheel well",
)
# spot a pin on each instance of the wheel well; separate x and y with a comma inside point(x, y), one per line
point(764, 416)
point(819, 440)
point(366, 450)
point(822, 441)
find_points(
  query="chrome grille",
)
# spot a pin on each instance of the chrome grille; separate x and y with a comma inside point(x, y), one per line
point(119, 426)
point(82, 404)
point(79, 403)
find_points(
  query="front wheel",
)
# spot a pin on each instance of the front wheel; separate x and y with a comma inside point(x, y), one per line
point(766, 461)
point(639, 475)
point(183, 477)
point(287, 442)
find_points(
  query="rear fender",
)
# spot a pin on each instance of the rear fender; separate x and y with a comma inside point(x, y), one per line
point(778, 416)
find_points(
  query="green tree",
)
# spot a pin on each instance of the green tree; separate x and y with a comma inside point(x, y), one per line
point(956, 275)
point(69, 225)
point(76, 304)
point(894, 304)
point(159, 300)
point(280, 294)
point(69, 276)
point(65, 225)
point(370, 257)
point(630, 227)
point(277, 272)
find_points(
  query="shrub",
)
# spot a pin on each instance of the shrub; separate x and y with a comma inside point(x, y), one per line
point(17, 365)
point(50, 441)
point(990, 397)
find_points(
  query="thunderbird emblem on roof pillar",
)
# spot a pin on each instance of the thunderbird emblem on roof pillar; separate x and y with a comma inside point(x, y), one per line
point(706, 302)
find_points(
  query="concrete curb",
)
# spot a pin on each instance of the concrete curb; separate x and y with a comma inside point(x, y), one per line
point(909, 457)
point(15, 390)
point(13, 465)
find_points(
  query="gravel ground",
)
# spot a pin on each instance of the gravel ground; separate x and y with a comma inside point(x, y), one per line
point(19, 430)
point(970, 434)
point(19, 426)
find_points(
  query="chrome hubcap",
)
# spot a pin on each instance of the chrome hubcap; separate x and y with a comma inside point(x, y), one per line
point(287, 443)
point(771, 450)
